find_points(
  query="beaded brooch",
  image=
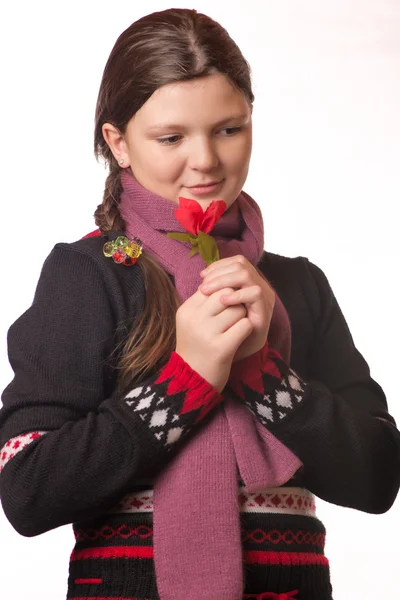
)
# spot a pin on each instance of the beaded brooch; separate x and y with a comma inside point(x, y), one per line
point(123, 250)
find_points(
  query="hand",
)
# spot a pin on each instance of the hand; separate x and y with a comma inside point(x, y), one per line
point(250, 289)
point(208, 334)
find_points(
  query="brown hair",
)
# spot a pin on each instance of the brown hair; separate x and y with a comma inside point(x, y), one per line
point(160, 48)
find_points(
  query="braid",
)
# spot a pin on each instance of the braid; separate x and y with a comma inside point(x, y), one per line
point(152, 336)
point(107, 216)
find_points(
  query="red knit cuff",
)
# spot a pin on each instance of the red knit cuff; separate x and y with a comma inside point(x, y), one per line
point(250, 370)
point(199, 393)
point(249, 364)
point(262, 360)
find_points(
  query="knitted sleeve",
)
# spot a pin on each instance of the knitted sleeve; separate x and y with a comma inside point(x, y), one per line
point(336, 422)
point(71, 446)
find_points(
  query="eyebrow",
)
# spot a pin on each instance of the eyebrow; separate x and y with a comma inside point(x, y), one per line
point(175, 126)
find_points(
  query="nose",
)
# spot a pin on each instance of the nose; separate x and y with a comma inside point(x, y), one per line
point(203, 154)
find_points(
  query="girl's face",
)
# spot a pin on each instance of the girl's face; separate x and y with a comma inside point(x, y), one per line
point(186, 134)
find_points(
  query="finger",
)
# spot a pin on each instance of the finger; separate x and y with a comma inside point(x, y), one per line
point(235, 279)
point(236, 334)
point(228, 317)
point(212, 304)
point(223, 262)
point(248, 295)
point(223, 317)
point(222, 270)
point(233, 267)
point(197, 299)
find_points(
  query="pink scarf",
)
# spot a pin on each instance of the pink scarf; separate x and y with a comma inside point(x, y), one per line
point(197, 545)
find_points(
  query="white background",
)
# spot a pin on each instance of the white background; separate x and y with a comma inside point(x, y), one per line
point(325, 171)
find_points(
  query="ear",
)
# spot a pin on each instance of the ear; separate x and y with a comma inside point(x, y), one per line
point(116, 142)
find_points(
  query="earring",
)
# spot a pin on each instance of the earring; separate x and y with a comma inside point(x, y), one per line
point(121, 161)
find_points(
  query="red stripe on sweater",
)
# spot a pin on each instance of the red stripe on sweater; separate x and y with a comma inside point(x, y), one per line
point(113, 552)
point(94, 233)
point(88, 580)
point(284, 558)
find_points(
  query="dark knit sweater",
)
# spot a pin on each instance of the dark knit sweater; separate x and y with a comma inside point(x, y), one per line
point(99, 446)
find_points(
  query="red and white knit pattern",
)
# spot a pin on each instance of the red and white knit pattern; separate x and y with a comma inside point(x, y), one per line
point(176, 399)
point(288, 500)
point(138, 502)
point(291, 501)
point(16, 444)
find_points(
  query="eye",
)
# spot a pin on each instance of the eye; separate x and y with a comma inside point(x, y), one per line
point(172, 139)
point(232, 129)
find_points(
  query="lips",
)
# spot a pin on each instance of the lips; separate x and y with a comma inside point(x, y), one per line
point(205, 189)
point(200, 185)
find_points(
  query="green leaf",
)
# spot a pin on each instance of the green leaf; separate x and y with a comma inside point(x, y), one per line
point(181, 237)
point(208, 248)
point(203, 243)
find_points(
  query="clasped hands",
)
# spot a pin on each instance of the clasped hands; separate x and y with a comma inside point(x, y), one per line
point(250, 289)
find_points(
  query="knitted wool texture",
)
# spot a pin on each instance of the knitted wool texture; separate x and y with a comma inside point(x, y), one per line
point(200, 485)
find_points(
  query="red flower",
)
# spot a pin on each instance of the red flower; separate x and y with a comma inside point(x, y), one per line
point(194, 219)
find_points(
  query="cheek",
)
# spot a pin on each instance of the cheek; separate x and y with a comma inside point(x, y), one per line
point(160, 164)
point(247, 146)
point(238, 156)
point(168, 166)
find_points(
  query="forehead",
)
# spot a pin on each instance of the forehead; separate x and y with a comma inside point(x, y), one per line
point(208, 98)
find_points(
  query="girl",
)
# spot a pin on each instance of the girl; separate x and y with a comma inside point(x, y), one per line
point(180, 394)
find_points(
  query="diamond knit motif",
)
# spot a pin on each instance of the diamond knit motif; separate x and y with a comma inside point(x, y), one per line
point(293, 501)
point(162, 422)
point(273, 406)
point(170, 403)
point(278, 500)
